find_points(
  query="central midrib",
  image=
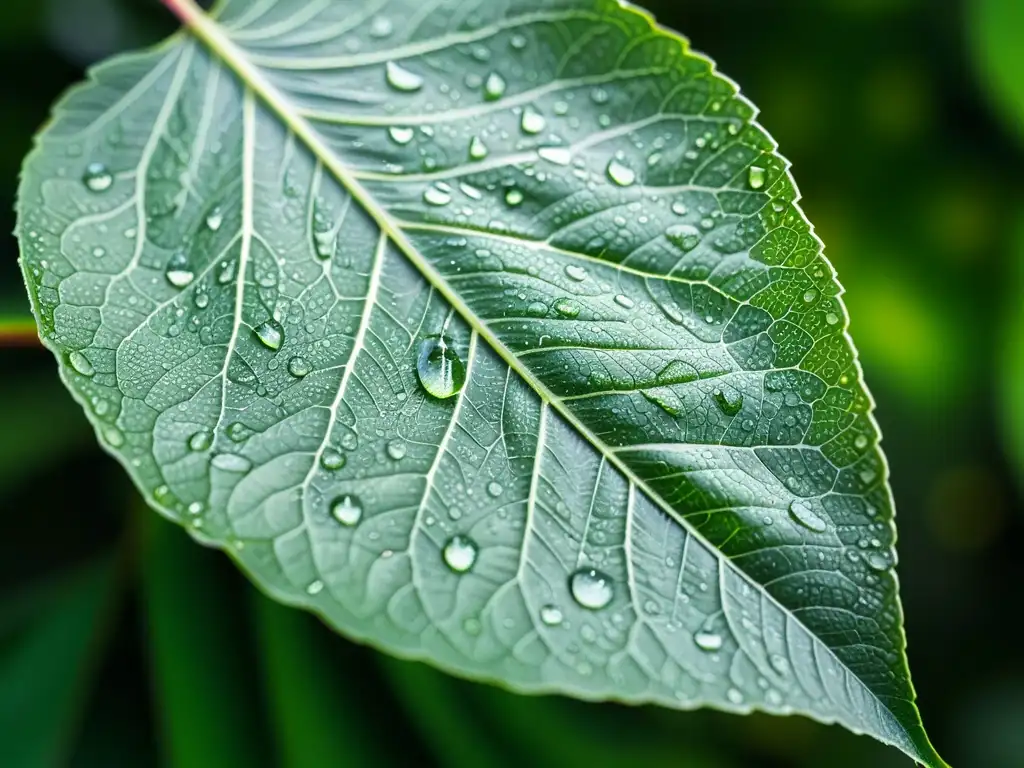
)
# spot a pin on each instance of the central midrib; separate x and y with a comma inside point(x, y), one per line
point(207, 30)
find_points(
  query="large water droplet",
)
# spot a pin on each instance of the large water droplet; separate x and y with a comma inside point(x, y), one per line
point(200, 441)
point(401, 136)
point(621, 174)
point(438, 194)
point(402, 79)
point(178, 273)
point(396, 449)
point(214, 219)
point(514, 197)
point(347, 510)
point(533, 121)
point(494, 87)
point(730, 407)
point(477, 149)
point(331, 459)
point(440, 370)
point(270, 334)
point(756, 177)
point(707, 641)
point(567, 308)
point(556, 155)
point(81, 363)
point(575, 272)
point(551, 615)
point(801, 511)
point(299, 367)
point(494, 489)
point(684, 236)
point(231, 462)
point(460, 553)
point(624, 301)
point(97, 178)
point(591, 588)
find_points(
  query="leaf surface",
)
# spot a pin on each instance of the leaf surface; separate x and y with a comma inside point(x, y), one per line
point(493, 333)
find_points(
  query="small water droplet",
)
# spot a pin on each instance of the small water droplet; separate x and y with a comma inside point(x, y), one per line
point(397, 449)
point(577, 273)
point(401, 136)
point(494, 87)
point(315, 587)
point(831, 318)
point(727, 406)
point(679, 208)
point(381, 26)
point(877, 561)
point(439, 369)
point(97, 178)
point(438, 194)
point(347, 510)
point(513, 197)
point(299, 367)
point(591, 588)
point(402, 79)
point(567, 308)
point(494, 489)
point(533, 121)
point(201, 300)
point(734, 696)
point(270, 334)
point(624, 301)
point(551, 615)
point(231, 462)
point(477, 149)
point(810, 296)
point(81, 363)
point(331, 459)
point(556, 155)
point(707, 641)
point(684, 236)
point(460, 553)
point(214, 219)
point(756, 177)
point(200, 441)
point(621, 174)
point(801, 511)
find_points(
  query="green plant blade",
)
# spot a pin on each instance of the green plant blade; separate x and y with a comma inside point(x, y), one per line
point(494, 335)
point(995, 36)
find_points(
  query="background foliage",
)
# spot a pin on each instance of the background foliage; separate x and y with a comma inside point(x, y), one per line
point(124, 644)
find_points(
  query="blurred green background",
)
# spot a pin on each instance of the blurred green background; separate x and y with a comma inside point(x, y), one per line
point(122, 643)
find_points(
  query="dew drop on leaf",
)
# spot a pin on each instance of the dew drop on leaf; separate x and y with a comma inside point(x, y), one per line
point(801, 511)
point(551, 615)
point(577, 273)
point(686, 237)
point(200, 441)
point(214, 219)
point(97, 178)
point(494, 87)
point(332, 460)
point(624, 301)
point(396, 449)
point(81, 364)
point(494, 489)
point(438, 194)
point(477, 149)
point(567, 308)
point(347, 510)
point(591, 588)
point(178, 274)
point(533, 122)
point(231, 462)
point(513, 197)
point(460, 553)
point(756, 177)
point(299, 367)
point(270, 334)
point(727, 406)
point(556, 155)
point(439, 369)
point(402, 79)
point(707, 641)
point(621, 174)
point(400, 136)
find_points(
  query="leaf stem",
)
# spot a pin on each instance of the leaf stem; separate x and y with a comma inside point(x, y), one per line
point(18, 332)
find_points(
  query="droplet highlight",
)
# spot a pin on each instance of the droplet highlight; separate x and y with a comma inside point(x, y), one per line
point(460, 553)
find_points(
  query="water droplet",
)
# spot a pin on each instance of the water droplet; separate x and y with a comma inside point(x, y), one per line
point(460, 553)
point(381, 26)
point(214, 219)
point(315, 587)
point(513, 197)
point(621, 174)
point(577, 273)
point(178, 273)
point(438, 194)
point(556, 155)
point(810, 296)
point(624, 301)
point(756, 177)
point(439, 369)
point(201, 300)
point(551, 615)
point(200, 441)
point(401, 136)
point(727, 406)
point(332, 460)
point(494, 87)
point(877, 561)
point(231, 462)
point(494, 489)
point(533, 121)
point(831, 318)
point(81, 363)
point(707, 641)
point(518, 42)
point(684, 236)
point(801, 511)
point(97, 178)
point(734, 696)
point(402, 79)
point(477, 149)
point(567, 308)
point(270, 334)
point(591, 588)
point(679, 208)
point(397, 449)
point(299, 367)
point(347, 510)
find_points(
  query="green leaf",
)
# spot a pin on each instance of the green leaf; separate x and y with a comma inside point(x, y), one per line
point(995, 27)
point(1010, 360)
point(45, 674)
point(493, 334)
